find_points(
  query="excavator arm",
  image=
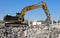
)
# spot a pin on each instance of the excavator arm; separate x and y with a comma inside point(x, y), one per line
point(43, 6)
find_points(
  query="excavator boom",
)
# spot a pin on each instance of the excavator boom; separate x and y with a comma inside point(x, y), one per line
point(29, 8)
point(43, 6)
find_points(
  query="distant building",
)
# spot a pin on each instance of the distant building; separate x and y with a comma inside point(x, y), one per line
point(36, 23)
point(33, 23)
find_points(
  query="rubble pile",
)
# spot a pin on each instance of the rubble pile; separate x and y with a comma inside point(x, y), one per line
point(40, 31)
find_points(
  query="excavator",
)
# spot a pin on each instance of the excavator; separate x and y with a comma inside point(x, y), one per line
point(19, 18)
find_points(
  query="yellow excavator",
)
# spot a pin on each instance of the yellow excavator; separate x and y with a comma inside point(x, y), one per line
point(19, 18)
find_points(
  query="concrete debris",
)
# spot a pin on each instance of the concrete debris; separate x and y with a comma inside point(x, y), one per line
point(40, 31)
